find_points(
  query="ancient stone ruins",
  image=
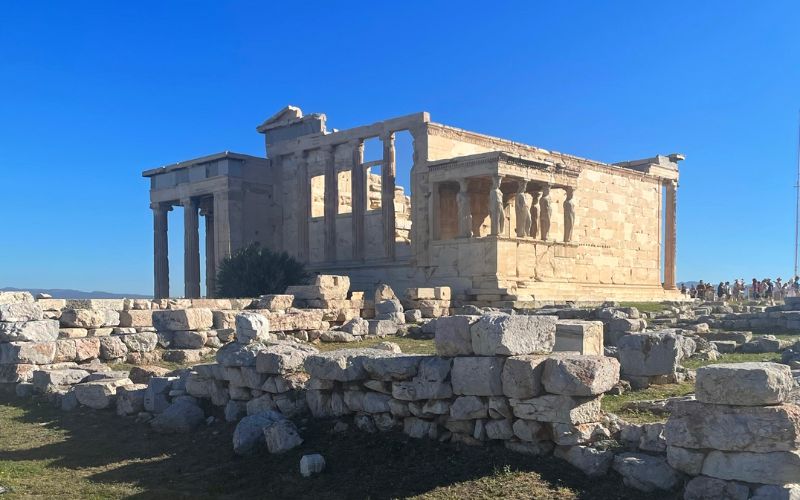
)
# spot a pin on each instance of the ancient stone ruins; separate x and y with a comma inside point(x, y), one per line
point(530, 380)
point(501, 223)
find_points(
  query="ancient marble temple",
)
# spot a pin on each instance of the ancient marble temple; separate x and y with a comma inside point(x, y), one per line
point(500, 222)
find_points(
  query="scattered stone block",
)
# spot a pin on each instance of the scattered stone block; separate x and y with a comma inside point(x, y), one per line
point(181, 416)
point(130, 399)
point(580, 375)
point(99, 394)
point(311, 464)
point(522, 376)
point(453, 337)
point(282, 436)
point(744, 384)
point(705, 488)
point(477, 376)
point(650, 354)
point(251, 327)
point(509, 335)
point(45, 330)
point(283, 358)
point(188, 339)
point(584, 337)
point(249, 432)
point(591, 461)
point(779, 467)
point(554, 408)
point(646, 472)
point(183, 319)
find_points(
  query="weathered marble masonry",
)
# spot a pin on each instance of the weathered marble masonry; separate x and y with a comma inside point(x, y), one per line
point(500, 222)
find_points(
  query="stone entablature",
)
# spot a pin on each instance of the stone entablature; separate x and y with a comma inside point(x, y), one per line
point(486, 216)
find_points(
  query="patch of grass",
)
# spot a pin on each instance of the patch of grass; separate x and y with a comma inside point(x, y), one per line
point(407, 345)
point(615, 404)
point(648, 307)
point(95, 454)
point(169, 365)
point(736, 357)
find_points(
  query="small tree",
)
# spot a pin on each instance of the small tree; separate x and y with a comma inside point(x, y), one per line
point(254, 270)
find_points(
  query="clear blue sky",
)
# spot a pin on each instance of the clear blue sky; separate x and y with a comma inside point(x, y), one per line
point(95, 92)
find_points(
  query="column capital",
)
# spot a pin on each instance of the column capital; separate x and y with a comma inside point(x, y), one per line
point(387, 136)
point(161, 206)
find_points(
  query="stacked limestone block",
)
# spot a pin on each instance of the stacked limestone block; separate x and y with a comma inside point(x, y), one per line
point(654, 357)
point(329, 293)
point(430, 302)
point(51, 308)
point(285, 320)
point(741, 436)
point(495, 378)
point(187, 335)
point(27, 340)
point(255, 373)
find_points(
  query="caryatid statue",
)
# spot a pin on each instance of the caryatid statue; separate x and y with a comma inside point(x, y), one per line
point(464, 213)
point(545, 212)
point(523, 210)
point(535, 212)
point(569, 215)
point(496, 209)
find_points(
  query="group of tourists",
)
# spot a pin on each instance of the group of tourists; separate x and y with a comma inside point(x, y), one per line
point(765, 289)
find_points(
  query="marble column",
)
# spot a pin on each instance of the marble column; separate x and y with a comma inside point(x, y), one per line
point(303, 206)
point(228, 231)
point(497, 215)
point(358, 192)
point(569, 214)
point(160, 249)
point(191, 249)
point(545, 212)
point(464, 210)
point(670, 234)
point(207, 211)
point(331, 202)
point(388, 181)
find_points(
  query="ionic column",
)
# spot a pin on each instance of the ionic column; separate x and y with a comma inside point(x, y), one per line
point(303, 207)
point(464, 210)
point(388, 180)
point(160, 250)
point(358, 192)
point(670, 234)
point(497, 214)
point(569, 214)
point(191, 249)
point(331, 202)
point(545, 212)
point(207, 211)
point(228, 231)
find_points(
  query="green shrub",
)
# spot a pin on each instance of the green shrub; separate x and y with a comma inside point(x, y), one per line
point(254, 271)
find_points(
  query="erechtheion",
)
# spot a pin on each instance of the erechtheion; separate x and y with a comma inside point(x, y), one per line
point(500, 222)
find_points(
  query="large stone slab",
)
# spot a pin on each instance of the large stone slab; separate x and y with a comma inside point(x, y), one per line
point(522, 376)
point(15, 297)
point(580, 375)
point(283, 358)
point(453, 337)
point(136, 318)
point(89, 318)
point(510, 335)
point(780, 467)
point(344, 365)
point(99, 394)
point(20, 311)
point(45, 330)
point(183, 319)
point(251, 327)
point(645, 472)
point(34, 353)
point(393, 366)
point(554, 408)
point(693, 424)
point(650, 354)
point(478, 376)
point(744, 384)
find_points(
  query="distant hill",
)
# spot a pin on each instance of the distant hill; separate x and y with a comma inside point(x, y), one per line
point(66, 293)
